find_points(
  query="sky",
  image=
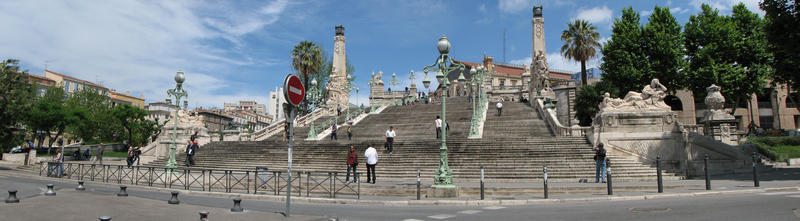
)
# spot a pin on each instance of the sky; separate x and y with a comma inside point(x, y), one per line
point(240, 50)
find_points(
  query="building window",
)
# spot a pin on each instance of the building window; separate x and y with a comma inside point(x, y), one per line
point(513, 82)
point(66, 86)
point(502, 82)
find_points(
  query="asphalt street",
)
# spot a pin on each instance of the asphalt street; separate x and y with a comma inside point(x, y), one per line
point(755, 206)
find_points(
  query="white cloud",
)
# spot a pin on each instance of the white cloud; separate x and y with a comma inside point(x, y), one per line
point(678, 10)
point(556, 61)
point(482, 8)
point(725, 6)
point(137, 46)
point(646, 13)
point(514, 6)
point(596, 15)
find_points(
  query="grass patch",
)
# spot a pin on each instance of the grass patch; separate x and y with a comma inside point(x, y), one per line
point(777, 148)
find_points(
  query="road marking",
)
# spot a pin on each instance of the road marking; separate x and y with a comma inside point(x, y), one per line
point(470, 212)
point(412, 220)
point(442, 216)
point(794, 196)
point(778, 193)
point(494, 207)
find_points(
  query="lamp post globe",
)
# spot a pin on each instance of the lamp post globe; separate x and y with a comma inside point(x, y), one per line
point(472, 71)
point(443, 45)
point(180, 77)
point(426, 82)
point(461, 80)
point(440, 76)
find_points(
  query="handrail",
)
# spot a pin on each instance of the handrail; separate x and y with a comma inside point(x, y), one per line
point(549, 116)
point(257, 181)
point(277, 127)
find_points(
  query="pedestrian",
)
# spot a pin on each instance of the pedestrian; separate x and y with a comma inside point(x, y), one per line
point(438, 123)
point(193, 137)
point(28, 151)
point(352, 163)
point(59, 168)
point(129, 159)
point(98, 154)
point(190, 149)
point(333, 132)
point(136, 154)
point(86, 154)
point(499, 108)
point(600, 163)
point(349, 132)
point(390, 139)
point(338, 110)
point(285, 131)
point(372, 160)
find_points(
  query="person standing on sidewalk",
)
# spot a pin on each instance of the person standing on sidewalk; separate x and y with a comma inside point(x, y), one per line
point(59, 168)
point(352, 163)
point(190, 151)
point(390, 139)
point(129, 159)
point(98, 154)
point(372, 160)
point(600, 163)
point(136, 153)
point(499, 108)
point(438, 126)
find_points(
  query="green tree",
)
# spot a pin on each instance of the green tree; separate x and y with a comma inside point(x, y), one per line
point(624, 61)
point(50, 114)
point(132, 120)
point(714, 44)
point(16, 99)
point(306, 60)
point(782, 33)
point(588, 98)
point(663, 46)
point(581, 42)
point(97, 109)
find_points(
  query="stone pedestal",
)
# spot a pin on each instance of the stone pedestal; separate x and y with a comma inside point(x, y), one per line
point(450, 191)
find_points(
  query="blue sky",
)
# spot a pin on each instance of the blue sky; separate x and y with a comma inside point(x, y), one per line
point(239, 50)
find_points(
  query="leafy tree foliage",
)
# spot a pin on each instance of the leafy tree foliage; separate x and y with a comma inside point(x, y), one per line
point(624, 61)
point(782, 33)
point(663, 47)
point(589, 97)
point(581, 42)
point(306, 60)
point(51, 115)
point(16, 99)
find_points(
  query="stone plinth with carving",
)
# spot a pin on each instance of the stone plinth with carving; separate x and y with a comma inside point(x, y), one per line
point(718, 123)
point(188, 124)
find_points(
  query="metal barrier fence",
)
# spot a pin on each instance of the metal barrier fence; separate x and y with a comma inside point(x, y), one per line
point(258, 181)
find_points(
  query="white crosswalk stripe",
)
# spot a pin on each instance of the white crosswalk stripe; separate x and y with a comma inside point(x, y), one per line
point(442, 216)
point(778, 193)
point(470, 212)
point(412, 220)
point(794, 196)
point(494, 207)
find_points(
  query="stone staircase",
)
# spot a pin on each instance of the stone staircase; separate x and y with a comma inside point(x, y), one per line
point(515, 148)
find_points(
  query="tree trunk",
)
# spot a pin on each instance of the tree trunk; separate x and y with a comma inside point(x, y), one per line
point(583, 73)
point(52, 140)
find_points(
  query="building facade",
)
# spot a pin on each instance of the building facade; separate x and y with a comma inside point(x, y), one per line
point(246, 106)
point(276, 101)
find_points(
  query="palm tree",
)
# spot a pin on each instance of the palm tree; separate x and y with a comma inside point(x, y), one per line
point(580, 43)
point(306, 60)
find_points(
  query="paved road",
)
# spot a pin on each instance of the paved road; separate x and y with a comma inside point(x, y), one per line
point(757, 206)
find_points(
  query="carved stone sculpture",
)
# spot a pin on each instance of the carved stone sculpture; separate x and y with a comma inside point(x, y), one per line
point(650, 99)
point(541, 74)
point(716, 104)
point(378, 77)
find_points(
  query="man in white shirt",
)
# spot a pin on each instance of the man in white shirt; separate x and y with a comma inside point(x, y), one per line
point(499, 108)
point(390, 139)
point(438, 127)
point(372, 160)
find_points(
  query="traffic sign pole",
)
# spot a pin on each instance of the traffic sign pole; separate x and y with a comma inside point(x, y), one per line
point(294, 92)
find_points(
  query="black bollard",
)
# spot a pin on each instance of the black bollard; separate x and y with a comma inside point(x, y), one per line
point(608, 177)
point(658, 174)
point(237, 207)
point(123, 191)
point(755, 170)
point(544, 175)
point(12, 197)
point(80, 186)
point(105, 218)
point(708, 177)
point(174, 199)
point(483, 194)
point(50, 190)
point(203, 215)
point(418, 184)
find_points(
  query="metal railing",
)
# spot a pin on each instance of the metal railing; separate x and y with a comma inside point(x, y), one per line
point(507, 87)
point(258, 181)
point(549, 116)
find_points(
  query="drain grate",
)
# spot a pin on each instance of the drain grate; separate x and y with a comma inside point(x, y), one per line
point(650, 210)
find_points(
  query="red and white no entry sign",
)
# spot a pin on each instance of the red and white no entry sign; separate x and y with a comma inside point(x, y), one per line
point(293, 90)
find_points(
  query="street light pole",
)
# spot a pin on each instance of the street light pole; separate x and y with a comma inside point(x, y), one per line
point(394, 83)
point(178, 92)
point(444, 176)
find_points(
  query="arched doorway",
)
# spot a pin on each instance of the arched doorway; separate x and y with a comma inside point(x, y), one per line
point(674, 102)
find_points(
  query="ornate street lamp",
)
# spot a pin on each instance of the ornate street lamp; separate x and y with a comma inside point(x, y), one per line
point(349, 88)
point(178, 92)
point(313, 93)
point(479, 75)
point(394, 83)
point(444, 176)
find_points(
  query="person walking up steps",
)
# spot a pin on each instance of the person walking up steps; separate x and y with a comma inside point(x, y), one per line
point(333, 132)
point(390, 139)
point(349, 132)
point(438, 127)
point(499, 108)
point(352, 163)
point(372, 160)
point(600, 163)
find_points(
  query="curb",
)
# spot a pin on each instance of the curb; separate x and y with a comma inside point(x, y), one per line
point(439, 202)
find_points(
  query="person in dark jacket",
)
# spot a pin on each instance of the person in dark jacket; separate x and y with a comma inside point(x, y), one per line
point(352, 163)
point(190, 151)
point(600, 163)
point(333, 132)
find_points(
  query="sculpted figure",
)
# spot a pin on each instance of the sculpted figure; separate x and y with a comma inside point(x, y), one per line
point(541, 77)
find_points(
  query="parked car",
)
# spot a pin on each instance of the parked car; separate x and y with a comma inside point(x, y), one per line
point(17, 149)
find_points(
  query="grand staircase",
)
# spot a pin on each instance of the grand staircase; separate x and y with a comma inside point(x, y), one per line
point(515, 147)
